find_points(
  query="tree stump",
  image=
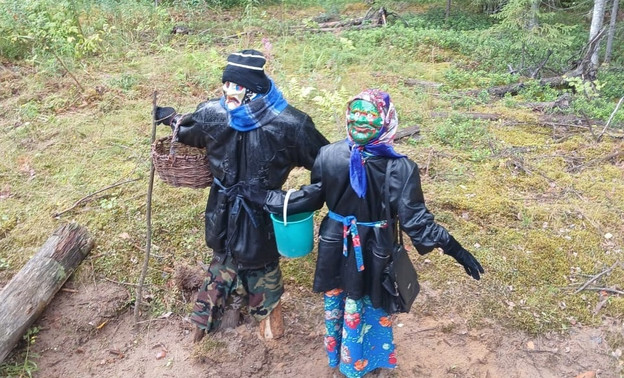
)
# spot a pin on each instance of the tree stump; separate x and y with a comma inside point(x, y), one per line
point(272, 327)
point(25, 297)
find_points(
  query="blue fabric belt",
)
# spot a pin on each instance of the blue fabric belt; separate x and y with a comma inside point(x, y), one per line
point(350, 224)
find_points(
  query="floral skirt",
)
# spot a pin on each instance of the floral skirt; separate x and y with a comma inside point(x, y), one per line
point(358, 337)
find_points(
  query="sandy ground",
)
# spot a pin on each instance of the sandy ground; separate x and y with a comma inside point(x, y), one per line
point(87, 331)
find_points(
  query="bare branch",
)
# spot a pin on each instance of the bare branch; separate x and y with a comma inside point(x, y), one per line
point(90, 196)
point(594, 278)
point(610, 118)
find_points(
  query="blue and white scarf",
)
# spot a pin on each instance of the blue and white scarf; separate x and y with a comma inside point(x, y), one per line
point(258, 112)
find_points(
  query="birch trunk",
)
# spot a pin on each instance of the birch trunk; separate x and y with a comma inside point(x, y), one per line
point(596, 25)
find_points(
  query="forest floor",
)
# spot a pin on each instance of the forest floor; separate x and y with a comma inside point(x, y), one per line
point(539, 203)
point(88, 331)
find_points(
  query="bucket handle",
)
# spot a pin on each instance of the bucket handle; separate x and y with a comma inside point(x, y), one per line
point(285, 217)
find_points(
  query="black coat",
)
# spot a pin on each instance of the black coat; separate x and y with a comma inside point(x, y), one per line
point(260, 158)
point(331, 185)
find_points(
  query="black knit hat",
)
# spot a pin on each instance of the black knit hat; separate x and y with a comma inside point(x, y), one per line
point(246, 68)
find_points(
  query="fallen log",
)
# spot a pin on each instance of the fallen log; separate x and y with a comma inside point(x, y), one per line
point(25, 297)
point(407, 132)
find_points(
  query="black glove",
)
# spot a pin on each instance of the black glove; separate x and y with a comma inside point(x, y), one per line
point(470, 263)
point(164, 115)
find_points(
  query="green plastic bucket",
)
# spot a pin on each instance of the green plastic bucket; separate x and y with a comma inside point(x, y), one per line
point(294, 234)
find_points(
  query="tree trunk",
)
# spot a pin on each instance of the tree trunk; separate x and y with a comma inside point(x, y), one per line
point(25, 297)
point(596, 25)
point(611, 33)
point(448, 10)
point(533, 21)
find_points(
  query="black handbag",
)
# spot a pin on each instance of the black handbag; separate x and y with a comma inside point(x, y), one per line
point(399, 278)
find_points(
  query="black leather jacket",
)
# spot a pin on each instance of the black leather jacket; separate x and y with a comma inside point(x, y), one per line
point(258, 159)
point(331, 185)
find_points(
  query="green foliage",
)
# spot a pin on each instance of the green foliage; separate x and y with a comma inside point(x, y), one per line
point(611, 80)
point(28, 26)
point(533, 91)
point(23, 365)
point(464, 134)
point(589, 101)
point(435, 17)
point(222, 4)
point(73, 28)
point(457, 77)
point(529, 33)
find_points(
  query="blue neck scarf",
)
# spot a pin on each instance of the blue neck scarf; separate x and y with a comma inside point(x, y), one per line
point(357, 171)
point(257, 112)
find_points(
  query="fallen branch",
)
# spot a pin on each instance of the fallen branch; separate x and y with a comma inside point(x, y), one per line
point(541, 65)
point(515, 88)
point(594, 278)
point(90, 196)
point(597, 161)
point(562, 102)
point(610, 118)
point(606, 289)
point(67, 70)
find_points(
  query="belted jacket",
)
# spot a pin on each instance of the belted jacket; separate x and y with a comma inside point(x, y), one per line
point(330, 184)
point(254, 160)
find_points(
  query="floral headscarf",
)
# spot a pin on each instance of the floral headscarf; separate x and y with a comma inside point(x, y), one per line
point(379, 146)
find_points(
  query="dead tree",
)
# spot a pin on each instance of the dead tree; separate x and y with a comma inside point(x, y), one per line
point(28, 293)
point(581, 68)
point(611, 33)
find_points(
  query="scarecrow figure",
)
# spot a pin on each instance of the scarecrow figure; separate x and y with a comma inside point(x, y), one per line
point(253, 139)
point(350, 177)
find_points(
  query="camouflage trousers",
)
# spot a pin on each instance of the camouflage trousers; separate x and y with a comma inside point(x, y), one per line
point(227, 287)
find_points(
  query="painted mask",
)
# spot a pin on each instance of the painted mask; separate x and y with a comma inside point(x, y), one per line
point(364, 123)
point(234, 94)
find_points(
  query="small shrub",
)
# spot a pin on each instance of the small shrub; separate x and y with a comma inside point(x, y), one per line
point(464, 134)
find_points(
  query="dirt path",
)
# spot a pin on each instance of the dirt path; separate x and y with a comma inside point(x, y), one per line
point(87, 331)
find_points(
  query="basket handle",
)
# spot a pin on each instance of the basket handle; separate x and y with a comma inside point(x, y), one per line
point(176, 128)
point(285, 217)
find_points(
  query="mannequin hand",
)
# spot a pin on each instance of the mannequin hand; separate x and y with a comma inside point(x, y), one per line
point(164, 115)
point(465, 258)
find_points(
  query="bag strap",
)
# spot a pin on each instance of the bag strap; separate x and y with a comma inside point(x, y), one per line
point(396, 230)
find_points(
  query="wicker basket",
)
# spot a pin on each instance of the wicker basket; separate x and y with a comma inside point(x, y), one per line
point(178, 164)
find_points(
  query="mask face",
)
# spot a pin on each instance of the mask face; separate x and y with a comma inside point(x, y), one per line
point(234, 94)
point(363, 121)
